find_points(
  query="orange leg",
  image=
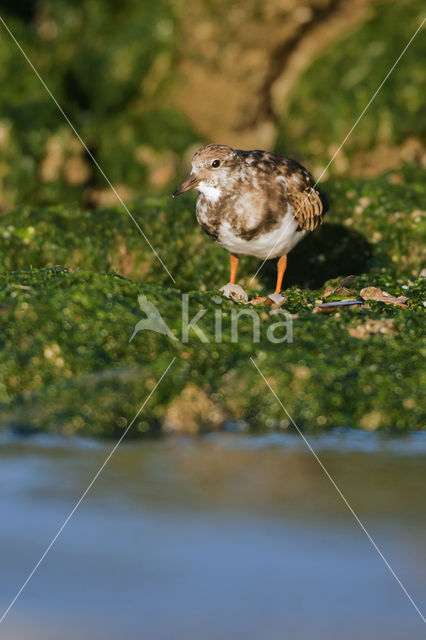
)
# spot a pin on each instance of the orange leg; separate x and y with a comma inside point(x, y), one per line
point(281, 267)
point(234, 264)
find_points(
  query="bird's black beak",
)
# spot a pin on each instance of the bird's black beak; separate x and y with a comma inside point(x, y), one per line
point(190, 183)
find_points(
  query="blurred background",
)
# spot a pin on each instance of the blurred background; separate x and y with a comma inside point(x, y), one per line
point(214, 538)
point(145, 83)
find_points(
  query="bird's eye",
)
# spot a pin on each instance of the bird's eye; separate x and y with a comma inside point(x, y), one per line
point(215, 163)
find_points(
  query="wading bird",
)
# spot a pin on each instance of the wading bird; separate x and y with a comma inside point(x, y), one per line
point(254, 203)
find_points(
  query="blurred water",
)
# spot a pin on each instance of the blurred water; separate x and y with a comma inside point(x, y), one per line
point(227, 536)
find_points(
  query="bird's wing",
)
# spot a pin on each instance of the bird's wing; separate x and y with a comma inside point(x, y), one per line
point(308, 202)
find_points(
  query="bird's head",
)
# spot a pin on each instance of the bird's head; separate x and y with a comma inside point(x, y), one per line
point(211, 166)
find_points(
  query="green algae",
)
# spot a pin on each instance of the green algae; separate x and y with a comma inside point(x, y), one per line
point(337, 87)
point(108, 65)
point(116, 69)
point(373, 225)
point(67, 364)
point(73, 368)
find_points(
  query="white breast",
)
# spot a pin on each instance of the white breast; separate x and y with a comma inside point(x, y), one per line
point(271, 244)
point(212, 193)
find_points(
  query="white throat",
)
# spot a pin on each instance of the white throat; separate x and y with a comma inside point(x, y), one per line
point(211, 192)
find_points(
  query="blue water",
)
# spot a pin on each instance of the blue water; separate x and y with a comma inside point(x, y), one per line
point(228, 536)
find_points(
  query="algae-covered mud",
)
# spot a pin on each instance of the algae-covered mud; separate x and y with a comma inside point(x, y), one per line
point(69, 305)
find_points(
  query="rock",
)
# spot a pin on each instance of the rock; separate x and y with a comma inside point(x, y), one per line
point(83, 376)
point(192, 412)
point(89, 310)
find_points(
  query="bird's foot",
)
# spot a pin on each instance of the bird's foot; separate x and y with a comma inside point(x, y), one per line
point(235, 292)
point(275, 300)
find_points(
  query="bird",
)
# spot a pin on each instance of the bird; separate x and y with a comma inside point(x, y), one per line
point(255, 203)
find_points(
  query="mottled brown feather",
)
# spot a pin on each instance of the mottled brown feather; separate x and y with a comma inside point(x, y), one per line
point(309, 204)
point(247, 194)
